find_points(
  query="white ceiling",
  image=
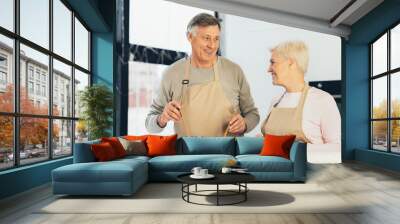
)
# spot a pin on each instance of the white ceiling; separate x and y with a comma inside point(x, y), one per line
point(315, 15)
point(321, 9)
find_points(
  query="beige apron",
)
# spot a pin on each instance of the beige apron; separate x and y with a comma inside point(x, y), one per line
point(287, 121)
point(205, 109)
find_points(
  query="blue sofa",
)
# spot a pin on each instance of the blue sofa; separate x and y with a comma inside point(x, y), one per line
point(125, 176)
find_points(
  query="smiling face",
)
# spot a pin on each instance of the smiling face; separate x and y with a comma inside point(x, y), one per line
point(279, 69)
point(205, 43)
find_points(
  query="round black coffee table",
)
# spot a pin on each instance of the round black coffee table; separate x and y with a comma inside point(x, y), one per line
point(238, 179)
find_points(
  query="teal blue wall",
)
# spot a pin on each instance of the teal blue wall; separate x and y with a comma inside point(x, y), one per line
point(102, 61)
point(91, 12)
point(99, 15)
point(356, 100)
point(102, 58)
point(356, 84)
point(377, 158)
point(24, 178)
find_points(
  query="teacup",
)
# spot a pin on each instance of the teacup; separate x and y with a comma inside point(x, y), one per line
point(196, 171)
point(226, 170)
point(203, 172)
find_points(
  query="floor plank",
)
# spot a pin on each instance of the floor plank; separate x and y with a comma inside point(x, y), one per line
point(377, 189)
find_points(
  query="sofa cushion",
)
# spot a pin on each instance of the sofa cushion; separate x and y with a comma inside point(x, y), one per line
point(103, 152)
point(135, 147)
point(136, 137)
point(131, 158)
point(185, 163)
point(249, 145)
point(116, 145)
point(257, 163)
point(83, 152)
point(161, 145)
point(206, 145)
point(112, 171)
point(275, 145)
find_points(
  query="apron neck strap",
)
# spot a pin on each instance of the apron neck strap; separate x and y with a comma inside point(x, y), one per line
point(299, 109)
point(186, 76)
point(302, 98)
point(304, 94)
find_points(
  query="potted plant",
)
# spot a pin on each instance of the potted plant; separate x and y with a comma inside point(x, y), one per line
point(96, 102)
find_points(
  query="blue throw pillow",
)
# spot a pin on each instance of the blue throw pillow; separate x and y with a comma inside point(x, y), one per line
point(249, 145)
point(206, 145)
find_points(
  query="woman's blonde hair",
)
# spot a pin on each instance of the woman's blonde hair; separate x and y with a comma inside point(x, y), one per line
point(295, 50)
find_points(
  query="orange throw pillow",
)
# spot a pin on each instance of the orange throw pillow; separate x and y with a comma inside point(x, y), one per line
point(161, 145)
point(116, 145)
point(277, 145)
point(103, 152)
point(135, 138)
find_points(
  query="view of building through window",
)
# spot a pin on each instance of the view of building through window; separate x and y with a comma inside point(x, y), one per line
point(144, 81)
point(385, 79)
point(35, 143)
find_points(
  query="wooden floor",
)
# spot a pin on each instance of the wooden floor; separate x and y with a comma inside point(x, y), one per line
point(354, 182)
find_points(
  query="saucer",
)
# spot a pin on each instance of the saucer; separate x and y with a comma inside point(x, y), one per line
point(208, 176)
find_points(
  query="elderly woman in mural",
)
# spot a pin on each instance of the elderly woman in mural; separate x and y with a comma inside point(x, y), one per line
point(307, 112)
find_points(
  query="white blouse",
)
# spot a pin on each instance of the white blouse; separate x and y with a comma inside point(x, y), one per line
point(321, 124)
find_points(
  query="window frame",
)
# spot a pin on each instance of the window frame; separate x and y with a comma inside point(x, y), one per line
point(388, 74)
point(16, 114)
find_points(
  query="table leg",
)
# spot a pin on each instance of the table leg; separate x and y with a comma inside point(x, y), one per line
point(188, 189)
point(245, 191)
point(182, 188)
point(217, 194)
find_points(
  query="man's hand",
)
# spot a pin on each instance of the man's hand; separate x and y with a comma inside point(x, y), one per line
point(171, 112)
point(237, 125)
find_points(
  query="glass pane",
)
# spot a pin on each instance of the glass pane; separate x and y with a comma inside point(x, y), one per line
point(379, 135)
point(7, 14)
point(81, 81)
point(81, 131)
point(62, 138)
point(81, 45)
point(395, 47)
point(395, 94)
point(62, 29)
point(379, 97)
point(6, 74)
point(6, 142)
point(144, 81)
point(62, 89)
point(395, 136)
point(169, 32)
point(35, 21)
point(33, 139)
point(34, 97)
point(379, 55)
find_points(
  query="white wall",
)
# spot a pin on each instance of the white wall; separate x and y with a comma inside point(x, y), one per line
point(247, 42)
point(161, 24)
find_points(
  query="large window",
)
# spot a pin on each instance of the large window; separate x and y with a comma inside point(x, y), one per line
point(40, 80)
point(385, 94)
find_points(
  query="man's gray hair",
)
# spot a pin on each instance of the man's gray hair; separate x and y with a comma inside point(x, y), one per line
point(202, 19)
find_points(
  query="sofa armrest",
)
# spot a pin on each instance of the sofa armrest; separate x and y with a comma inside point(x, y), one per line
point(83, 152)
point(298, 155)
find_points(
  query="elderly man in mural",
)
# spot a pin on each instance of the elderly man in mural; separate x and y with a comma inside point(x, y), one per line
point(204, 94)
